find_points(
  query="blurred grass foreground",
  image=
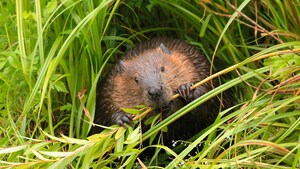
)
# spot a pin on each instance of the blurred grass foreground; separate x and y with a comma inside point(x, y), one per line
point(53, 53)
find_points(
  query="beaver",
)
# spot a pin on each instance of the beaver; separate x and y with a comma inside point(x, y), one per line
point(150, 74)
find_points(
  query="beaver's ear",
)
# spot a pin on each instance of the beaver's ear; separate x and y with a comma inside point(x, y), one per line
point(121, 67)
point(164, 49)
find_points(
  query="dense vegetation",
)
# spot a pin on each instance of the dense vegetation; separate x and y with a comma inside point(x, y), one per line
point(53, 53)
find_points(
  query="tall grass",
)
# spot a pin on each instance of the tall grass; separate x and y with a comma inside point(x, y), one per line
point(53, 53)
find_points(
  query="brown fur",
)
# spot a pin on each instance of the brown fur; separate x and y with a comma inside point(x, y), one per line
point(147, 66)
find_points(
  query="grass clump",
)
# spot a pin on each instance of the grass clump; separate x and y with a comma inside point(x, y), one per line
point(53, 53)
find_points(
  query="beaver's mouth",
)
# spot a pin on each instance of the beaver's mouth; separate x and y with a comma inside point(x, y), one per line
point(160, 103)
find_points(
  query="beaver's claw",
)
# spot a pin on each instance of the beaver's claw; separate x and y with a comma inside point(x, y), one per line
point(121, 118)
point(184, 90)
point(189, 95)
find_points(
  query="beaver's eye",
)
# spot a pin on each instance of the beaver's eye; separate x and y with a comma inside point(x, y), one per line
point(136, 80)
point(162, 69)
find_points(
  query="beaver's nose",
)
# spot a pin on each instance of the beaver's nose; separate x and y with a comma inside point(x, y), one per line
point(154, 93)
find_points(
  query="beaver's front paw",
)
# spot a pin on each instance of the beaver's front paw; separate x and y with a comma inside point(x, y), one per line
point(184, 90)
point(121, 118)
point(189, 95)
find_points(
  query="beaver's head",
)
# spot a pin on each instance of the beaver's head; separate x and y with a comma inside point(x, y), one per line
point(150, 78)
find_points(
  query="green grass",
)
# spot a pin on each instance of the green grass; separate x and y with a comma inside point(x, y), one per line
point(51, 51)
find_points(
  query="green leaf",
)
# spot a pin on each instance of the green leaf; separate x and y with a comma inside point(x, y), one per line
point(56, 154)
point(50, 7)
point(204, 26)
point(120, 132)
point(133, 136)
point(14, 62)
point(60, 87)
point(66, 107)
point(12, 149)
point(131, 110)
point(279, 63)
point(120, 141)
